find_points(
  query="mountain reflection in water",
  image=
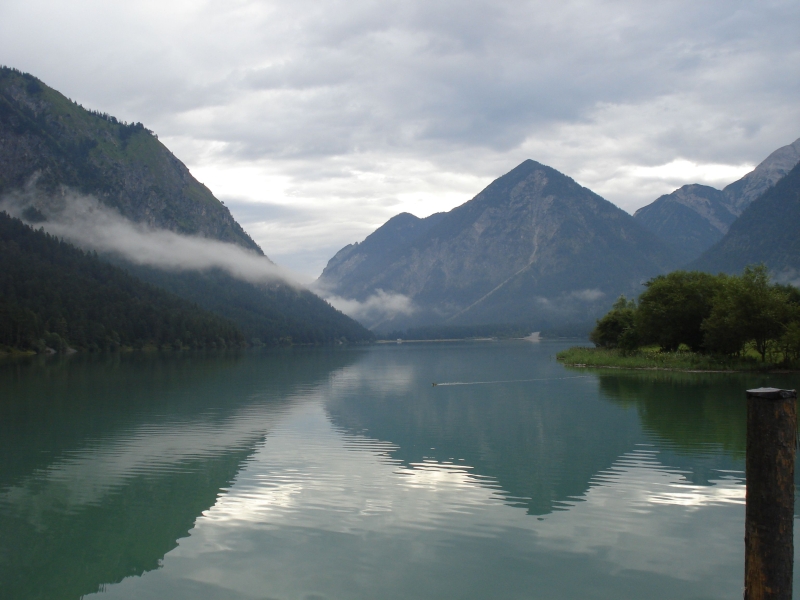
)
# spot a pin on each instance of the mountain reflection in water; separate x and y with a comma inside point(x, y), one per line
point(345, 474)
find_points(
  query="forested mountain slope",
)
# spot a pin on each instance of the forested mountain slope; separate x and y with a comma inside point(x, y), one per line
point(54, 294)
point(271, 314)
point(52, 147)
point(47, 136)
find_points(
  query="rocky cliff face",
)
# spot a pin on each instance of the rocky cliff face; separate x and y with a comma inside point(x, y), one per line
point(533, 247)
point(48, 141)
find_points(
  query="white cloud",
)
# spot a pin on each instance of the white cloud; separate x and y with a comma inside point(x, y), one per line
point(91, 225)
point(685, 170)
point(374, 310)
point(588, 295)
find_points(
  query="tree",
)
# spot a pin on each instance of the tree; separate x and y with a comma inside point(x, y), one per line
point(617, 329)
point(746, 309)
point(673, 308)
point(789, 343)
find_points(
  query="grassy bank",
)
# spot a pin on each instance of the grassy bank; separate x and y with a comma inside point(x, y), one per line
point(654, 359)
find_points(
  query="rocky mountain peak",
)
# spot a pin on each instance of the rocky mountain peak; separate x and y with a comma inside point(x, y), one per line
point(533, 245)
point(773, 168)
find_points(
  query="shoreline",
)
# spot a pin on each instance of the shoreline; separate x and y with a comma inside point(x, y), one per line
point(673, 369)
point(683, 362)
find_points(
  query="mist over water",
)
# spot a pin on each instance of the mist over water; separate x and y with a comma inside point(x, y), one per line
point(373, 311)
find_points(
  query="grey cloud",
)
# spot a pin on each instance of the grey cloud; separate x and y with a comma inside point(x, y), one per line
point(326, 91)
point(484, 74)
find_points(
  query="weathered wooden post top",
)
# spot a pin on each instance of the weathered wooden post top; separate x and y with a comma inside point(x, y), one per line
point(768, 532)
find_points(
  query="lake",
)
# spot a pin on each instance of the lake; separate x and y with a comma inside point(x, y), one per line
point(343, 473)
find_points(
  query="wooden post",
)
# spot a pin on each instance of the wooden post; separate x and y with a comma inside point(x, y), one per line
point(769, 515)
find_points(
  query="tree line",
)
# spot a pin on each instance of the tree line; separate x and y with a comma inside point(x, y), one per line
point(54, 295)
point(726, 315)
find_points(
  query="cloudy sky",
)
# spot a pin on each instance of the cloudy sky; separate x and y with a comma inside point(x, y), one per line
point(316, 121)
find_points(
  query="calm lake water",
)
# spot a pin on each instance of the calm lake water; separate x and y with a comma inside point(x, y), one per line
point(342, 473)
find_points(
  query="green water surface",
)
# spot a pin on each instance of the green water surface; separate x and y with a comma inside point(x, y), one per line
point(343, 473)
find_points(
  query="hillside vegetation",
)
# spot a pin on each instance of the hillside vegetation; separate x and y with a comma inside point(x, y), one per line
point(270, 314)
point(55, 295)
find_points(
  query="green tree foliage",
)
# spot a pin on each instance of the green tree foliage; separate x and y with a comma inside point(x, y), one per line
point(746, 309)
point(717, 314)
point(55, 295)
point(673, 308)
point(618, 328)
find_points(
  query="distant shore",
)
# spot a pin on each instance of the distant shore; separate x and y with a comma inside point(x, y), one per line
point(533, 337)
point(402, 341)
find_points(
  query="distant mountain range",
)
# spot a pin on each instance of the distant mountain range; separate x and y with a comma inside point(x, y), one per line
point(690, 219)
point(52, 147)
point(536, 248)
point(695, 217)
point(533, 250)
point(533, 247)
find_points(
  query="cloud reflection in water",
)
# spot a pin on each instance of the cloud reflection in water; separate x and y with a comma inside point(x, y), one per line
point(321, 511)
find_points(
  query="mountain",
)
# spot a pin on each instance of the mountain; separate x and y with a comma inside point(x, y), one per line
point(765, 232)
point(691, 218)
point(357, 262)
point(274, 314)
point(56, 294)
point(533, 247)
point(741, 193)
point(695, 217)
point(47, 136)
point(50, 147)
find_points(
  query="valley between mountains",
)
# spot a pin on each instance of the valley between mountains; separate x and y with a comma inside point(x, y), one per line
point(535, 247)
